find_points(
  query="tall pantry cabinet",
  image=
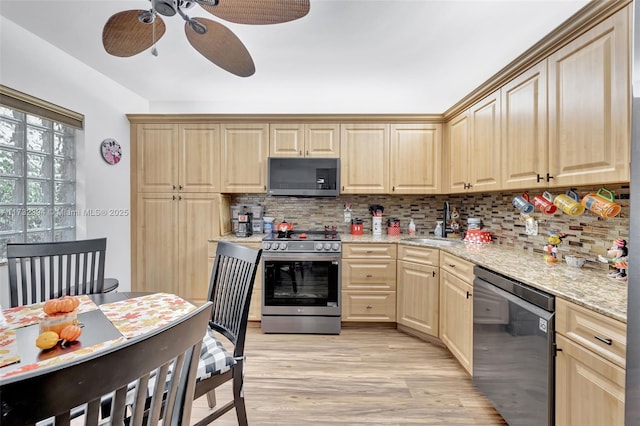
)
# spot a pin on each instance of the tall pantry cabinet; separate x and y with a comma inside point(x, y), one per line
point(175, 205)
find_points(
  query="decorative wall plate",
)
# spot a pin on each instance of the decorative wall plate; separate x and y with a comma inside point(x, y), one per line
point(111, 151)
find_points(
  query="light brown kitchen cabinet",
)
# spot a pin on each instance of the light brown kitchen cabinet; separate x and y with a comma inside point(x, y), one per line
point(177, 157)
point(417, 290)
point(369, 282)
point(171, 242)
point(320, 140)
point(255, 308)
point(416, 158)
point(589, 106)
point(456, 308)
point(474, 147)
point(525, 153)
point(243, 159)
point(364, 158)
point(590, 367)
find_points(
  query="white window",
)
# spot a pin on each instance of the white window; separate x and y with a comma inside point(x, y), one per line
point(37, 173)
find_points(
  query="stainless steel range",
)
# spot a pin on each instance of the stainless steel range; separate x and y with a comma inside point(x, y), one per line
point(301, 285)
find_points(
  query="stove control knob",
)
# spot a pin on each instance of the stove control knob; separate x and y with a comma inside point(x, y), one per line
point(335, 247)
point(275, 246)
point(267, 246)
point(318, 247)
point(327, 246)
point(283, 246)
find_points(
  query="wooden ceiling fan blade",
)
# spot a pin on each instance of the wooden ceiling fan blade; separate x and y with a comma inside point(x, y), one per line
point(259, 12)
point(222, 47)
point(125, 35)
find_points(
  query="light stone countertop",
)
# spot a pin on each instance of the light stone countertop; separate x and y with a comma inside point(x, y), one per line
point(583, 286)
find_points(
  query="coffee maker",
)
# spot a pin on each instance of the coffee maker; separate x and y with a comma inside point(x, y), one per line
point(245, 226)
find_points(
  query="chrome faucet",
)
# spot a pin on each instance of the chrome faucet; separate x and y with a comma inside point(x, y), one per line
point(446, 218)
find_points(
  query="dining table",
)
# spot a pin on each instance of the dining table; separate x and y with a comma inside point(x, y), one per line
point(107, 320)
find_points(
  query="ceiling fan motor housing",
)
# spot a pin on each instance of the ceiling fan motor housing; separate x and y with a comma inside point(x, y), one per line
point(165, 7)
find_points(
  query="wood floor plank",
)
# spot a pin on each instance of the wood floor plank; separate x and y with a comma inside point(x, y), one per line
point(364, 376)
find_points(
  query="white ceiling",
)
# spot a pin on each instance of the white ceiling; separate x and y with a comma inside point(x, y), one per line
point(345, 56)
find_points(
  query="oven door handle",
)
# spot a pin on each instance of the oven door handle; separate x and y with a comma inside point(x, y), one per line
point(301, 257)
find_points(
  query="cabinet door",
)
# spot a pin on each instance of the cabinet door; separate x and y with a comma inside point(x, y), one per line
point(525, 159)
point(322, 140)
point(456, 318)
point(245, 148)
point(484, 152)
point(286, 140)
point(416, 158)
point(156, 151)
point(199, 158)
point(457, 169)
point(364, 165)
point(589, 390)
point(198, 223)
point(157, 244)
point(418, 297)
point(589, 106)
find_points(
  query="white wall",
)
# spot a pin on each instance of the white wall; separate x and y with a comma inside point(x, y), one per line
point(33, 66)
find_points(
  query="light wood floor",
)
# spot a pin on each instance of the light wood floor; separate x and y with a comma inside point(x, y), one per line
point(364, 376)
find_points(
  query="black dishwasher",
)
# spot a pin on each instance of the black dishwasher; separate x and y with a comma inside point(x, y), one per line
point(513, 348)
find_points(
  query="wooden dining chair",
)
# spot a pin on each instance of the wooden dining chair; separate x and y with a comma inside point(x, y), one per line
point(168, 355)
point(42, 271)
point(230, 287)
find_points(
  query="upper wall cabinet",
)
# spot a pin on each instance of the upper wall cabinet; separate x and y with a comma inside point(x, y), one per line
point(589, 106)
point(474, 147)
point(364, 158)
point(177, 157)
point(416, 158)
point(525, 156)
point(304, 140)
point(243, 158)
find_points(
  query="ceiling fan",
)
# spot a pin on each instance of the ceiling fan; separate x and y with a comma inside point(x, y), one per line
point(131, 32)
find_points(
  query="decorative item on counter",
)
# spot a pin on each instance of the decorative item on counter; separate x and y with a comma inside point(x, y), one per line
point(268, 225)
point(521, 202)
point(602, 203)
point(347, 212)
point(439, 230)
point(474, 223)
point(553, 241)
point(356, 226)
point(544, 203)
point(617, 256)
point(478, 236)
point(376, 211)
point(393, 226)
point(412, 227)
point(569, 203)
point(531, 225)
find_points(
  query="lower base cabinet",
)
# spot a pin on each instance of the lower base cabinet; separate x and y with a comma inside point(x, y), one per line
point(456, 308)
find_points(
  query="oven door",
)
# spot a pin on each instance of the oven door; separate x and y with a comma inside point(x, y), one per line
point(301, 284)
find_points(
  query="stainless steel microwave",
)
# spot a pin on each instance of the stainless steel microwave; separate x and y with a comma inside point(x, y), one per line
point(303, 177)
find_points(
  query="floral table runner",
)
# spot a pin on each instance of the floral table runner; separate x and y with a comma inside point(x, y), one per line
point(22, 316)
point(134, 317)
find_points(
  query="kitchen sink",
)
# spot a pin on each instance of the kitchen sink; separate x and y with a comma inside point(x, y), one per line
point(433, 241)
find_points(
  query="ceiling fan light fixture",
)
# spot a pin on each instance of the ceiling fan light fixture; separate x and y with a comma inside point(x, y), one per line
point(164, 7)
point(147, 17)
point(198, 27)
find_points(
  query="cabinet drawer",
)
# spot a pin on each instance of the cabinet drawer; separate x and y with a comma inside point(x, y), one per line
point(456, 266)
point(358, 274)
point(369, 306)
point(596, 332)
point(369, 251)
point(421, 255)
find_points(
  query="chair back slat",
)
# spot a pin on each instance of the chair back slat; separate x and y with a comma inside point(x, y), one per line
point(230, 287)
point(41, 271)
point(168, 355)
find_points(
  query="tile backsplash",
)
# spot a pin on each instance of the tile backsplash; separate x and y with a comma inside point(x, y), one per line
point(587, 235)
